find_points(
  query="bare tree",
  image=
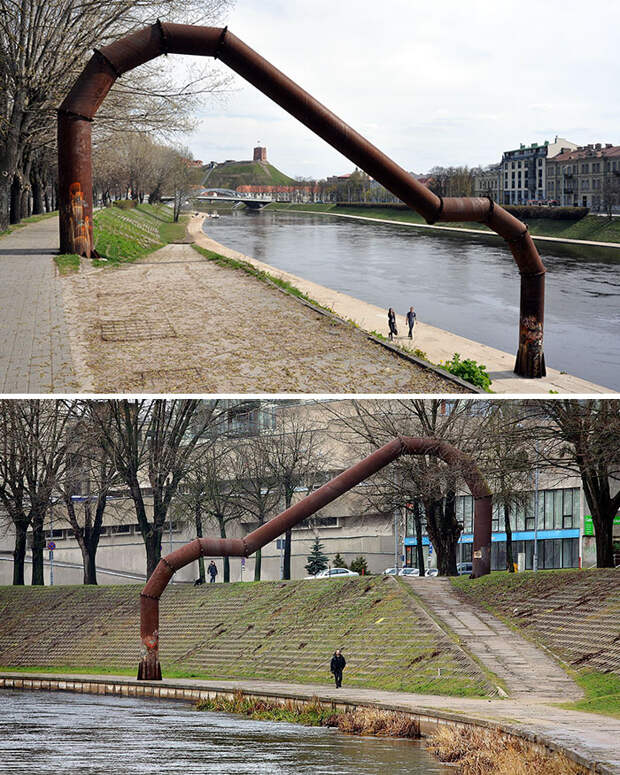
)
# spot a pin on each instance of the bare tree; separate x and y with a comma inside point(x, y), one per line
point(34, 455)
point(153, 441)
point(209, 494)
point(583, 437)
point(258, 488)
point(295, 461)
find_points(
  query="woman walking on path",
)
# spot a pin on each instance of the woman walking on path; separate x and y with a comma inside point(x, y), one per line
point(392, 323)
point(337, 665)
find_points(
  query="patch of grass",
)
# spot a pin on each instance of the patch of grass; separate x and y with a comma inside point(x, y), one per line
point(73, 669)
point(245, 266)
point(602, 692)
point(26, 221)
point(67, 263)
point(123, 236)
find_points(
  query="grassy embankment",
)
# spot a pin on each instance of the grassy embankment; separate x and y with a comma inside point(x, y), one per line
point(589, 228)
point(279, 631)
point(122, 236)
point(573, 614)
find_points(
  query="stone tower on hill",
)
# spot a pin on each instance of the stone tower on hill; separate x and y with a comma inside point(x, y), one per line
point(260, 153)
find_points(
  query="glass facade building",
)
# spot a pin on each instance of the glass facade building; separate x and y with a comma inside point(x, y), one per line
point(556, 528)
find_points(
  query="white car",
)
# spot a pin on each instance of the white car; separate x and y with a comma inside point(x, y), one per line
point(331, 573)
point(390, 572)
point(409, 572)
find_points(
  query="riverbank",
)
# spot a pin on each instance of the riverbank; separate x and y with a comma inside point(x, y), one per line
point(431, 343)
point(590, 231)
point(588, 741)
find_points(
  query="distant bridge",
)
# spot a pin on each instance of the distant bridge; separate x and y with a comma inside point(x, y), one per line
point(254, 203)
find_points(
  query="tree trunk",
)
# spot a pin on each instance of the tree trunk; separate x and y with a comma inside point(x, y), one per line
point(257, 565)
point(510, 565)
point(19, 554)
point(15, 201)
point(226, 560)
point(201, 559)
point(444, 531)
point(152, 544)
point(38, 546)
point(37, 191)
point(417, 518)
point(286, 574)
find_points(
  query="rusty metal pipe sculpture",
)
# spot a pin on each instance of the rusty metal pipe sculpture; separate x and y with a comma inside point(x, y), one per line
point(78, 110)
point(150, 669)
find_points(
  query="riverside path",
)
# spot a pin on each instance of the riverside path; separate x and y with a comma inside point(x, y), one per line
point(34, 350)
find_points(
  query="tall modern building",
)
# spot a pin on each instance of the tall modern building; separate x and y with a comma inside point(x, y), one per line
point(523, 175)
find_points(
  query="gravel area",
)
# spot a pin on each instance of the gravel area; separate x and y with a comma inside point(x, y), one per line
point(178, 323)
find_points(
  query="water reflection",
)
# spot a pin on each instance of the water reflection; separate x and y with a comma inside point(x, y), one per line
point(43, 732)
point(467, 285)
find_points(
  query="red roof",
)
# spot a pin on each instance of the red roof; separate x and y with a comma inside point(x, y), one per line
point(589, 151)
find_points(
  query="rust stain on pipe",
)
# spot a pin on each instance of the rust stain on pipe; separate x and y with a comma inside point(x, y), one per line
point(149, 667)
point(139, 47)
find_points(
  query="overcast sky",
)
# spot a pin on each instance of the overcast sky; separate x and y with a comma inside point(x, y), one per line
point(446, 82)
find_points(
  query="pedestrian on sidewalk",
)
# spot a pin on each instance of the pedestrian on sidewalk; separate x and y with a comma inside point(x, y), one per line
point(392, 323)
point(212, 571)
point(337, 665)
point(411, 321)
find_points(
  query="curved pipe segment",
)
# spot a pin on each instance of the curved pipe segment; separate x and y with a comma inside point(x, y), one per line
point(149, 667)
point(75, 175)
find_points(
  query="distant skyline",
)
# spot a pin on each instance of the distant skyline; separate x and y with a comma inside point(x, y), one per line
point(446, 83)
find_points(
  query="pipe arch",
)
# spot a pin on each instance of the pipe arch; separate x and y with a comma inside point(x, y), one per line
point(149, 667)
point(77, 112)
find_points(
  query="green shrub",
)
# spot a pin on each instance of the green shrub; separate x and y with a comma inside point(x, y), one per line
point(339, 562)
point(359, 565)
point(471, 371)
point(125, 204)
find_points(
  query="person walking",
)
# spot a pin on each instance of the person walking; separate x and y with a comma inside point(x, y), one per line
point(392, 323)
point(411, 321)
point(212, 571)
point(337, 665)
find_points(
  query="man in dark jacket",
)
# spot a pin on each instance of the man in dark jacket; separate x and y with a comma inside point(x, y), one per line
point(212, 571)
point(411, 316)
point(337, 666)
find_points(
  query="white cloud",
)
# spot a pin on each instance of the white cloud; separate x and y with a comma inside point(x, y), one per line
point(428, 82)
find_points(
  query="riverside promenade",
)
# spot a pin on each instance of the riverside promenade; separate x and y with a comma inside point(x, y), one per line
point(589, 739)
point(34, 347)
point(437, 344)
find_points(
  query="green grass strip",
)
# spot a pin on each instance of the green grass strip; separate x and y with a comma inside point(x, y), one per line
point(25, 221)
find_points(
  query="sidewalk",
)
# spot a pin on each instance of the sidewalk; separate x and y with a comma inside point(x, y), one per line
point(34, 350)
point(439, 345)
point(528, 673)
point(592, 737)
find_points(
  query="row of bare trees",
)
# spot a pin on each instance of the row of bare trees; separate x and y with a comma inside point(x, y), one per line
point(173, 459)
point(44, 44)
point(187, 460)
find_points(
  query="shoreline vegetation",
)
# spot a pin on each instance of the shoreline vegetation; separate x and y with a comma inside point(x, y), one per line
point(590, 228)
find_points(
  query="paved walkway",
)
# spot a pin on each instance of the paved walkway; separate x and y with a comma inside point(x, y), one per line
point(34, 350)
point(592, 737)
point(439, 345)
point(526, 670)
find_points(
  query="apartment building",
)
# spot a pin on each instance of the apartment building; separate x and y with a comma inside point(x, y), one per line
point(586, 176)
point(524, 171)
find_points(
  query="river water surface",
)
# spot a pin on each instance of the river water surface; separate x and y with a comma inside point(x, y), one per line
point(53, 732)
point(468, 285)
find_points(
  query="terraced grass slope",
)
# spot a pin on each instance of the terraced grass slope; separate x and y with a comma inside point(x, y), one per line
point(125, 235)
point(575, 614)
point(271, 630)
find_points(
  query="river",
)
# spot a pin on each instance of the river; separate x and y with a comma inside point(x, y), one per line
point(53, 732)
point(466, 284)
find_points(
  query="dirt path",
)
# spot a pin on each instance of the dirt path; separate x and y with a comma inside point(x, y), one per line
point(178, 323)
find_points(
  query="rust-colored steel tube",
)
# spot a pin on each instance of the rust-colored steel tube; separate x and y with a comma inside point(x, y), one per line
point(149, 667)
point(146, 44)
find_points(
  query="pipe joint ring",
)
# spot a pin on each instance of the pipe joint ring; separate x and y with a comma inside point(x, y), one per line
point(149, 597)
point(72, 114)
point(108, 62)
point(220, 43)
point(162, 35)
point(437, 215)
point(167, 564)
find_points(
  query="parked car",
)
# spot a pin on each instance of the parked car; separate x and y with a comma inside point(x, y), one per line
point(410, 572)
point(464, 568)
point(390, 572)
point(432, 572)
point(330, 573)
